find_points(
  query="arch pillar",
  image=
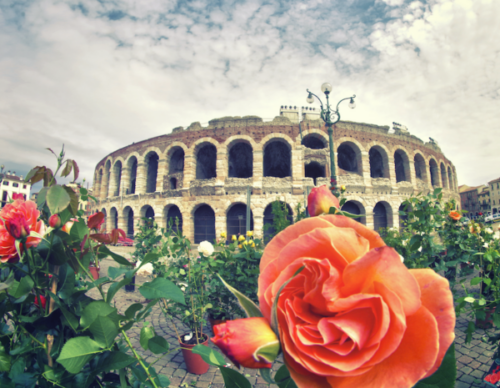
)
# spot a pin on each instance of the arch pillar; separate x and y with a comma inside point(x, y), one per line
point(220, 225)
point(137, 220)
point(365, 171)
point(104, 185)
point(112, 182)
point(258, 226)
point(162, 171)
point(189, 169)
point(122, 223)
point(125, 181)
point(412, 174)
point(297, 164)
point(221, 167)
point(369, 217)
point(391, 169)
point(258, 170)
point(141, 178)
point(188, 227)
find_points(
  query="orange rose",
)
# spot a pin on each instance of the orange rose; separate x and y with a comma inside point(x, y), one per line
point(455, 216)
point(355, 316)
point(20, 218)
point(241, 339)
point(320, 200)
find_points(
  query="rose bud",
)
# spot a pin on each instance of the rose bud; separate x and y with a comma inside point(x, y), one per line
point(455, 216)
point(320, 200)
point(67, 226)
point(55, 221)
point(249, 342)
point(43, 299)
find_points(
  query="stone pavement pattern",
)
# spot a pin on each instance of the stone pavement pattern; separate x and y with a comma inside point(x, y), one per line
point(473, 359)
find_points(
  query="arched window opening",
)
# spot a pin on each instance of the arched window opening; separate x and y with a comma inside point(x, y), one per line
point(314, 170)
point(174, 219)
point(495, 210)
point(420, 167)
point(277, 160)
point(150, 213)
point(152, 171)
point(114, 217)
point(173, 183)
point(107, 178)
point(379, 216)
point(129, 215)
point(346, 158)
point(206, 162)
point(117, 176)
point(269, 220)
point(237, 220)
point(132, 163)
point(354, 207)
point(450, 179)
point(204, 224)
point(400, 160)
point(433, 168)
point(176, 162)
point(240, 161)
point(443, 176)
point(376, 163)
point(313, 142)
point(403, 219)
point(104, 225)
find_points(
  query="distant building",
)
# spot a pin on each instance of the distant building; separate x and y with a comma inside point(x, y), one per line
point(11, 183)
point(495, 195)
point(469, 200)
point(484, 199)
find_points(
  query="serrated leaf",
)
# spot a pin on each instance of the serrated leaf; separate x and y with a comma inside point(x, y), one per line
point(469, 299)
point(4, 360)
point(67, 168)
point(210, 356)
point(115, 287)
point(73, 203)
point(234, 379)
point(41, 197)
point(158, 345)
point(162, 288)
point(104, 331)
point(475, 281)
point(147, 332)
point(250, 308)
point(77, 352)
point(18, 289)
point(57, 199)
point(93, 310)
point(132, 310)
point(115, 361)
point(266, 375)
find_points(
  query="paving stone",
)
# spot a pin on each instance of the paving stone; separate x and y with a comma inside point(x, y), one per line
point(467, 379)
point(465, 359)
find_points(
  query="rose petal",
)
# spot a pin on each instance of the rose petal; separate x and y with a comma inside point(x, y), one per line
point(431, 284)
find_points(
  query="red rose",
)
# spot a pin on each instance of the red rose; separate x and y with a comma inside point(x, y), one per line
point(355, 316)
point(18, 219)
point(43, 299)
point(96, 220)
point(320, 200)
point(241, 339)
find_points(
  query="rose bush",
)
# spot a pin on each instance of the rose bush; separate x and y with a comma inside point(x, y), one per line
point(355, 315)
point(320, 200)
point(454, 215)
point(17, 220)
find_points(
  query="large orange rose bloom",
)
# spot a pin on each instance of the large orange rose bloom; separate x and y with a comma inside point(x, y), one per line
point(455, 216)
point(355, 316)
point(19, 209)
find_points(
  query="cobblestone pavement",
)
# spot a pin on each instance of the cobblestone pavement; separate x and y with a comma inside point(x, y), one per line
point(473, 359)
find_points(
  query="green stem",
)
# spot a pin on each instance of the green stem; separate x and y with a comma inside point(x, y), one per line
point(138, 358)
point(99, 287)
point(33, 338)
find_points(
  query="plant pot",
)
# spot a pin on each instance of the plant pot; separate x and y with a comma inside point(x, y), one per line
point(131, 286)
point(194, 362)
point(94, 271)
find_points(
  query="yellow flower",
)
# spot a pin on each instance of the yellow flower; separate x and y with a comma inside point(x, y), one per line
point(241, 238)
point(342, 188)
point(239, 246)
point(250, 233)
point(245, 242)
point(233, 237)
point(223, 235)
point(252, 244)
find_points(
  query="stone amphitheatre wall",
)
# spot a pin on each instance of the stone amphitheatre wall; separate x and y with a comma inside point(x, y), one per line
point(201, 174)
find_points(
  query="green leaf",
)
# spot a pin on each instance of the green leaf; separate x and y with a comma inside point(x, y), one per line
point(162, 288)
point(119, 259)
point(132, 309)
point(93, 310)
point(283, 378)
point(18, 289)
point(469, 299)
point(210, 356)
point(104, 331)
point(250, 308)
point(114, 272)
point(73, 203)
point(446, 375)
point(475, 281)
point(4, 360)
point(150, 257)
point(77, 352)
point(41, 197)
point(470, 330)
point(234, 379)
point(78, 231)
point(115, 361)
point(113, 289)
point(267, 352)
point(57, 199)
point(147, 332)
point(266, 375)
point(70, 318)
point(158, 345)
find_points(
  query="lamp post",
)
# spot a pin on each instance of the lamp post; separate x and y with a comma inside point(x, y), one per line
point(326, 116)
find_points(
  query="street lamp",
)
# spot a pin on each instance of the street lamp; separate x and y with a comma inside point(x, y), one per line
point(326, 116)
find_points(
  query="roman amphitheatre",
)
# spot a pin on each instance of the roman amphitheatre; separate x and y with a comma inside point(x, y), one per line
point(200, 175)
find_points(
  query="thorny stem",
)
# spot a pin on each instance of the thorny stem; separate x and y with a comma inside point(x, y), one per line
point(50, 337)
point(138, 358)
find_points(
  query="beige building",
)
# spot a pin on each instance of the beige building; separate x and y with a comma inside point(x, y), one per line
point(494, 186)
point(484, 199)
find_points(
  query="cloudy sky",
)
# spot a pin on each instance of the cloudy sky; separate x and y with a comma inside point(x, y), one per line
point(98, 75)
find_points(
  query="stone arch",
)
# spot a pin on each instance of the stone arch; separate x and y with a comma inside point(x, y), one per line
point(107, 176)
point(236, 219)
point(132, 171)
point(116, 178)
point(206, 160)
point(444, 179)
point(269, 218)
point(314, 170)
point(240, 159)
point(128, 215)
point(277, 158)
point(173, 216)
point(450, 179)
point(382, 215)
point(349, 157)
point(434, 172)
point(204, 223)
point(274, 136)
point(147, 211)
point(315, 141)
point(230, 141)
point(379, 162)
point(355, 207)
point(151, 159)
point(175, 158)
point(402, 166)
point(113, 214)
point(420, 167)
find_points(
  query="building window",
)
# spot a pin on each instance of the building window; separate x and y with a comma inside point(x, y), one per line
point(24, 186)
point(5, 183)
point(15, 185)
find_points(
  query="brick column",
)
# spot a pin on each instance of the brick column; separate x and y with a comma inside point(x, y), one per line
point(141, 177)
point(220, 225)
point(391, 171)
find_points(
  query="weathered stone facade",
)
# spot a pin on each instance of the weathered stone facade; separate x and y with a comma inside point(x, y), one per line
point(203, 172)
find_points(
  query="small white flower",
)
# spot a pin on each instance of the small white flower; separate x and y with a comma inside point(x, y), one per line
point(206, 248)
point(187, 337)
point(182, 286)
point(489, 230)
point(145, 270)
point(420, 249)
point(486, 245)
point(402, 259)
point(404, 242)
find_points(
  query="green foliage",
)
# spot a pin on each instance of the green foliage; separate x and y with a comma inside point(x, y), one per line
point(446, 375)
point(279, 210)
